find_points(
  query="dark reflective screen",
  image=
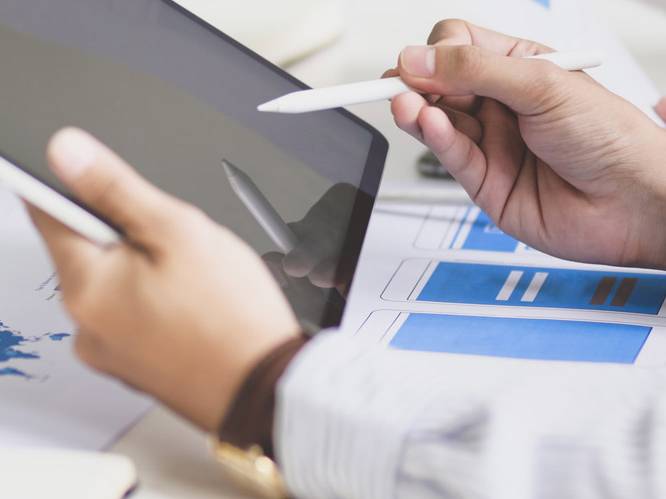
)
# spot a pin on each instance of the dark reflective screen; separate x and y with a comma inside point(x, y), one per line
point(175, 98)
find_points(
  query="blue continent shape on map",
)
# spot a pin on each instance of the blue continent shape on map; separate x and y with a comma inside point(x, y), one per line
point(11, 344)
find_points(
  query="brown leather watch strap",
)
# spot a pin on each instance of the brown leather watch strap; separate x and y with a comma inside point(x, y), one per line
point(250, 419)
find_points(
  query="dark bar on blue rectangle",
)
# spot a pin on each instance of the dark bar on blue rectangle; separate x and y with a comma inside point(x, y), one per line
point(627, 286)
point(603, 290)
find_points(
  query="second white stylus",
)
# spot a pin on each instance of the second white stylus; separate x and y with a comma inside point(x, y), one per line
point(318, 99)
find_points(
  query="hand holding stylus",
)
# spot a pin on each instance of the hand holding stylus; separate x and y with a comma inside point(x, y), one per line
point(523, 138)
point(319, 99)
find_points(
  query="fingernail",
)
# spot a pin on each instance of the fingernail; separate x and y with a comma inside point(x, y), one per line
point(72, 152)
point(418, 61)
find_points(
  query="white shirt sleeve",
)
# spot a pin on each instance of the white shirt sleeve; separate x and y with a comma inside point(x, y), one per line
point(362, 422)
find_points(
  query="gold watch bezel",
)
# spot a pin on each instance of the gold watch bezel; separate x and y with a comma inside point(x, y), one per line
point(251, 470)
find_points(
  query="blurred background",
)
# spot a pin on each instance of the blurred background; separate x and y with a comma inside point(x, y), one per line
point(325, 42)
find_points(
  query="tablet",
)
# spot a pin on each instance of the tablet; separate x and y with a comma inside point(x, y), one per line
point(177, 99)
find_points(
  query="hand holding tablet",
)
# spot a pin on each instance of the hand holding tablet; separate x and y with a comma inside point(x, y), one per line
point(139, 306)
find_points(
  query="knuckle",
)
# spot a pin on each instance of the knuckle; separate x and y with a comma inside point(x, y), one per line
point(547, 89)
point(549, 75)
point(525, 48)
point(465, 61)
point(167, 217)
point(191, 213)
point(532, 48)
point(185, 221)
point(103, 192)
point(190, 217)
point(160, 213)
point(547, 85)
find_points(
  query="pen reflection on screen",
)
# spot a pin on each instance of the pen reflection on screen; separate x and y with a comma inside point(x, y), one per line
point(260, 208)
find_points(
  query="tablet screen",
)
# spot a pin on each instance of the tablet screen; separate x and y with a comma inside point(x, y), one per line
point(175, 98)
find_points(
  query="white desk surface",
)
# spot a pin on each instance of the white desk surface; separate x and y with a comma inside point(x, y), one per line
point(173, 459)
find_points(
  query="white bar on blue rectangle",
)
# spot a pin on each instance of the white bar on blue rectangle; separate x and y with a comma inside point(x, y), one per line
point(533, 289)
point(466, 227)
point(509, 285)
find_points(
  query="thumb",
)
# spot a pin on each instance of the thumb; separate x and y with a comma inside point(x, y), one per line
point(106, 184)
point(525, 85)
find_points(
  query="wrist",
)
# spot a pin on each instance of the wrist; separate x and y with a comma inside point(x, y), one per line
point(234, 369)
point(203, 377)
point(251, 353)
point(651, 192)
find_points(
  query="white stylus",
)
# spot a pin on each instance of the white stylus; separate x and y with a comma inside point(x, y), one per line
point(55, 204)
point(319, 99)
point(260, 208)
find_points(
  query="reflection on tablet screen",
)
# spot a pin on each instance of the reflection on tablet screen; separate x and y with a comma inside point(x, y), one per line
point(174, 97)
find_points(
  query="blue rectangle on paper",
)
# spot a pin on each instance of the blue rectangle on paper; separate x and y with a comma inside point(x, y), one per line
point(484, 235)
point(537, 339)
point(480, 284)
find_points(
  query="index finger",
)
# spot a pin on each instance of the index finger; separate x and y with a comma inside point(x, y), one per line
point(459, 32)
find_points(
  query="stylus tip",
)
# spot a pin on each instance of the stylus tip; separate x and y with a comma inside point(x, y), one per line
point(268, 107)
point(229, 169)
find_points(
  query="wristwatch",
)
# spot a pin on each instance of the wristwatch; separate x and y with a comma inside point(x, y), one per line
point(244, 442)
point(251, 470)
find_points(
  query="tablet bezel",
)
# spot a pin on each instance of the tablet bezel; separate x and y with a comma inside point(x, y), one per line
point(368, 187)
